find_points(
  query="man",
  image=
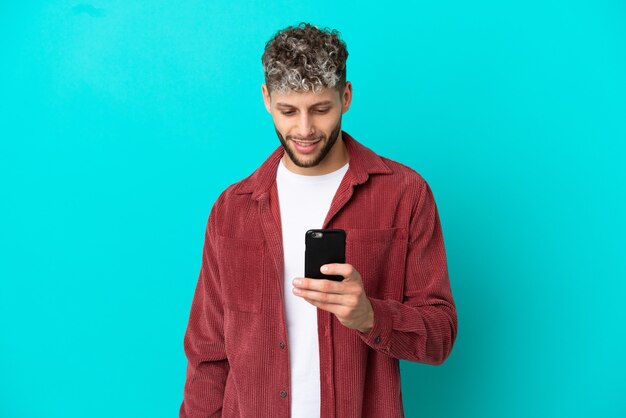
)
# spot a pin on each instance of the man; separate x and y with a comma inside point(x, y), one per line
point(263, 341)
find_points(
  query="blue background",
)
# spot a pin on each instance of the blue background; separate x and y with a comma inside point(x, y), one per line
point(121, 122)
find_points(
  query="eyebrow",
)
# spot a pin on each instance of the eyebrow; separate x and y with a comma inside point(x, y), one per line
point(322, 103)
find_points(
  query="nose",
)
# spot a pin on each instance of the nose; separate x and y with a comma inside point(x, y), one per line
point(305, 126)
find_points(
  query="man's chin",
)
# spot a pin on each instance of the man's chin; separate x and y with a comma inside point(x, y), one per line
point(304, 160)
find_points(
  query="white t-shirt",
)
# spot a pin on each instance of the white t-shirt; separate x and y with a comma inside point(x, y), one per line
point(304, 202)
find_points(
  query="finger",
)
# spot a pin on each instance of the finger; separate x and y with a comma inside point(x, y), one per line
point(312, 295)
point(340, 269)
point(319, 285)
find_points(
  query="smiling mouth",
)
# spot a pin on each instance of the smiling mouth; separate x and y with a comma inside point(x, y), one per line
point(305, 147)
point(306, 143)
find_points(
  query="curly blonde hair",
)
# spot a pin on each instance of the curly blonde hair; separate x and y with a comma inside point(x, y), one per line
point(305, 58)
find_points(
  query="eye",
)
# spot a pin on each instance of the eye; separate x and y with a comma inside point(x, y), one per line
point(322, 111)
point(288, 112)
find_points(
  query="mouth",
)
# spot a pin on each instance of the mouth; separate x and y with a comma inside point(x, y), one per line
point(306, 147)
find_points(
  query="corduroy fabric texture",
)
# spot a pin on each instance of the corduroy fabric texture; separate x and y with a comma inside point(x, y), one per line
point(236, 342)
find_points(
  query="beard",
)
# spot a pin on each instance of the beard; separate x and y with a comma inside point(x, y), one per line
point(327, 144)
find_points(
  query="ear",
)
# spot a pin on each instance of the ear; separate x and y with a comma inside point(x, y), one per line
point(266, 97)
point(346, 98)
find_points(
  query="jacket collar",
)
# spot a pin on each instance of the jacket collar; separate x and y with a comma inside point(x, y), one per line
point(363, 162)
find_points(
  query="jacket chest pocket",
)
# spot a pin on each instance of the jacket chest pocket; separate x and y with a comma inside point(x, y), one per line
point(379, 255)
point(241, 268)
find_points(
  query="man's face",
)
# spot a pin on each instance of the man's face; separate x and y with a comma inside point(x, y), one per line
point(307, 123)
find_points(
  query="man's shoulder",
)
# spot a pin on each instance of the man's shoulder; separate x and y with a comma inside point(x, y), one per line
point(233, 191)
point(402, 169)
point(403, 174)
point(257, 181)
point(392, 170)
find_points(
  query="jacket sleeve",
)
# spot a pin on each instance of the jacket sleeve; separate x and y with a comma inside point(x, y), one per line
point(207, 366)
point(423, 326)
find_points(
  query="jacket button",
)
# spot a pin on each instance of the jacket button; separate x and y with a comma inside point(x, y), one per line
point(283, 393)
point(377, 340)
point(282, 345)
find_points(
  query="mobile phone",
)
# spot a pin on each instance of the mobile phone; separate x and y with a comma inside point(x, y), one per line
point(323, 246)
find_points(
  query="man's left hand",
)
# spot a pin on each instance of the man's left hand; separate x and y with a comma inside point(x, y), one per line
point(345, 299)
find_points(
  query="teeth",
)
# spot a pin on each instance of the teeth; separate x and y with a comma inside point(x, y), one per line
point(306, 144)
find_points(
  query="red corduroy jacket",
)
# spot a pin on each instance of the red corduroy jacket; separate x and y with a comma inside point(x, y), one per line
point(236, 338)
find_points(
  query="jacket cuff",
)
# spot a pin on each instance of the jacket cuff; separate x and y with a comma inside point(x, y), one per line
point(379, 337)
